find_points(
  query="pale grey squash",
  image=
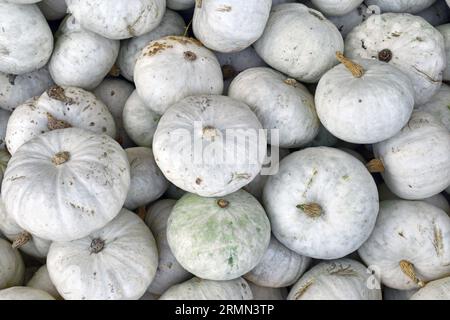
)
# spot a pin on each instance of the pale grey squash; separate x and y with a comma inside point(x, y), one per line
point(439, 106)
point(41, 280)
point(12, 268)
point(24, 293)
point(435, 290)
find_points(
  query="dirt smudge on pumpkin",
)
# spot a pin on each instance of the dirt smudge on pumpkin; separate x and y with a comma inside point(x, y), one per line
point(156, 48)
point(184, 40)
point(438, 243)
point(224, 8)
point(303, 289)
point(340, 270)
point(12, 79)
point(58, 93)
point(310, 181)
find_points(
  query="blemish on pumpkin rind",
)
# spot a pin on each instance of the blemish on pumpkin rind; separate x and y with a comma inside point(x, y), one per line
point(157, 47)
point(310, 181)
point(224, 8)
point(437, 240)
point(303, 289)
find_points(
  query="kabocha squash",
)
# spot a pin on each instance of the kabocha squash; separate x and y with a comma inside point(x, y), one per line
point(410, 6)
point(299, 42)
point(322, 203)
point(409, 245)
point(218, 238)
point(41, 280)
point(24, 293)
point(180, 4)
point(58, 108)
point(445, 31)
point(434, 290)
point(439, 106)
point(200, 289)
point(179, 67)
point(169, 272)
point(342, 279)
point(336, 7)
point(117, 262)
point(193, 152)
point(11, 266)
point(79, 181)
point(265, 293)
point(53, 9)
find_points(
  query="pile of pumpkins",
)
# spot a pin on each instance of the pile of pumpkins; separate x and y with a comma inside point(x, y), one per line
point(102, 196)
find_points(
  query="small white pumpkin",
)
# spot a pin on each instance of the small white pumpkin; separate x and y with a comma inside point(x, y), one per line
point(201, 289)
point(53, 9)
point(179, 67)
point(169, 272)
point(180, 4)
point(342, 279)
point(265, 293)
point(445, 31)
point(410, 6)
point(12, 268)
point(117, 262)
point(435, 290)
point(79, 181)
point(41, 280)
point(218, 238)
point(409, 245)
point(336, 7)
point(58, 108)
point(24, 293)
point(201, 145)
point(439, 106)
point(436, 14)
point(300, 42)
point(322, 203)
point(395, 294)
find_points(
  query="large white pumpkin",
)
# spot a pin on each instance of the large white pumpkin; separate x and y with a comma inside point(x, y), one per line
point(24, 293)
point(53, 9)
point(435, 290)
point(336, 7)
point(41, 280)
point(322, 203)
point(410, 6)
point(445, 31)
point(12, 268)
point(79, 181)
point(116, 262)
point(439, 106)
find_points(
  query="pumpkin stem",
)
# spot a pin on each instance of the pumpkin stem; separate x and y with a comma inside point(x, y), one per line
point(209, 133)
point(375, 166)
point(55, 124)
point(190, 56)
point(408, 269)
point(312, 210)
point(115, 71)
point(60, 158)
point(97, 245)
point(228, 71)
point(141, 212)
point(291, 82)
point(222, 203)
point(58, 93)
point(21, 240)
point(385, 55)
point(356, 70)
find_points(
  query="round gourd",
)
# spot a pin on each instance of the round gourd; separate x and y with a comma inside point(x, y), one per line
point(230, 25)
point(179, 67)
point(410, 6)
point(116, 262)
point(394, 294)
point(218, 238)
point(439, 106)
point(342, 279)
point(118, 19)
point(12, 268)
point(53, 9)
point(200, 289)
point(79, 181)
point(41, 280)
point(415, 163)
point(24, 293)
point(445, 31)
point(147, 181)
point(435, 290)
point(407, 42)
point(26, 41)
point(336, 7)
point(348, 100)
point(58, 108)
point(212, 165)
point(81, 58)
point(293, 115)
point(279, 267)
point(325, 195)
point(300, 42)
point(436, 14)
point(180, 4)
point(169, 272)
point(409, 244)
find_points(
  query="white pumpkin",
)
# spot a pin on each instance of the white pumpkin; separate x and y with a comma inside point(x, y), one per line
point(41, 280)
point(26, 42)
point(265, 293)
point(394, 294)
point(348, 100)
point(81, 58)
point(147, 181)
point(436, 14)
point(300, 42)
point(336, 7)
point(24, 293)
point(439, 106)
point(345, 23)
point(218, 238)
point(12, 268)
point(58, 108)
point(201, 289)
point(445, 31)
point(279, 267)
point(409, 244)
point(79, 181)
point(118, 19)
point(180, 4)
point(169, 272)
point(172, 24)
point(201, 145)
point(435, 290)
point(4, 159)
point(117, 262)
point(15, 90)
point(322, 203)
point(293, 115)
point(342, 279)
point(410, 6)
point(415, 163)
point(53, 9)
point(407, 42)
point(179, 67)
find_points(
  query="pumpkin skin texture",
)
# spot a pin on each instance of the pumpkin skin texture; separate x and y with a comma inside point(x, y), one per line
point(76, 107)
point(445, 31)
point(407, 42)
point(41, 280)
point(394, 294)
point(53, 9)
point(218, 238)
point(206, 120)
point(147, 181)
point(26, 42)
point(342, 279)
point(180, 4)
point(24, 293)
point(172, 24)
point(265, 293)
point(120, 267)
point(300, 42)
point(368, 109)
point(79, 181)
point(179, 67)
point(201, 289)
point(12, 268)
point(414, 231)
point(279, 267)
point(434, 290)
point(118, 19)
point(294, 115)
point(343, 190)
point(169, 272)
point(409, 6)
point(417, 160)
point(438, 106)
point(336, 7)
